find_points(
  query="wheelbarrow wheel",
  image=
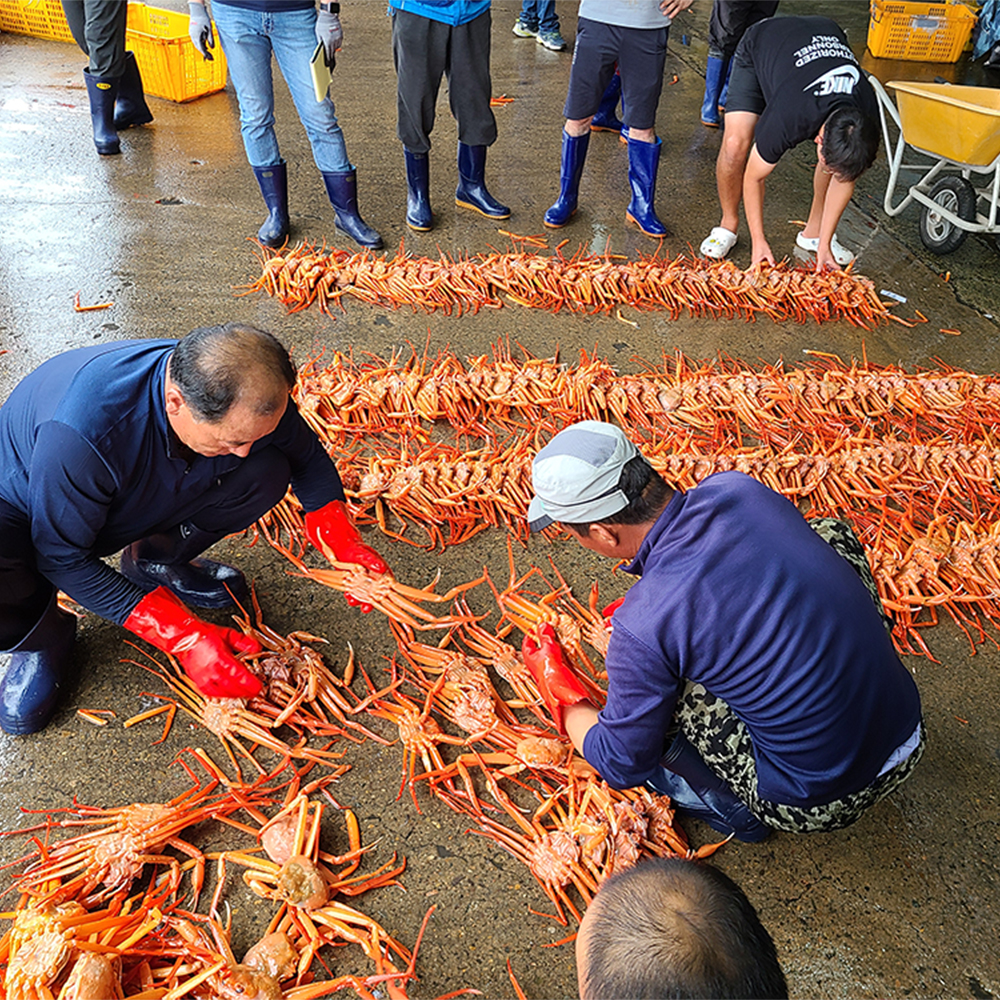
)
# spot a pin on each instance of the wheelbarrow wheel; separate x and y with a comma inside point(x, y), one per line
point(956, 195)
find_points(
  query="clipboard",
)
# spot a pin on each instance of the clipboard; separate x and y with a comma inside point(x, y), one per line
point(322, 75)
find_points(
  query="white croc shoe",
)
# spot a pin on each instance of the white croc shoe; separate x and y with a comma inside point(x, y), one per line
point(718, 243)
point(841, 254)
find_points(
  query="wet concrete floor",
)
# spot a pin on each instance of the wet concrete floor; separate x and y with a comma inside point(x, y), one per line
point(904, 903)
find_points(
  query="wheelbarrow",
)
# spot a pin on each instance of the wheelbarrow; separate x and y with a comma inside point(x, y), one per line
point(957, 132)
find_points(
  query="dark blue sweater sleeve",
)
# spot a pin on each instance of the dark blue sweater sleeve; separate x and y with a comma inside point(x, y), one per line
point(315, 480)
point(71, 490)
point(627, 743)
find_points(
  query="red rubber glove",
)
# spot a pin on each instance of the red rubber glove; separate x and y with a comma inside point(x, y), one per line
point(204, 650)
point(333, 532)
point(557, 683)
point(610, 610)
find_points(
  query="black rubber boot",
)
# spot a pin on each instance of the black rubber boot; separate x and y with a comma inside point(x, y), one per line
point(103, 91)
point(418, 200)
point(169, 560)
point(697, 790)
point(131, 107)
point(471, 191)
point(574, 153)
point(342, 189)
point(273, 182)
point(40, 672)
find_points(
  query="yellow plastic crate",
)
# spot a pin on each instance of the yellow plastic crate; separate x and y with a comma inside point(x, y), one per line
point(38, 18)
point(170, 65)
point(925, 32)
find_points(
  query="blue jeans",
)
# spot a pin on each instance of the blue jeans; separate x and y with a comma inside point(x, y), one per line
point(248, 38)
point(540, 15)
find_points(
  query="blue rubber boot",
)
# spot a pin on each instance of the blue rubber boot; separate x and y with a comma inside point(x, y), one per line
point(697, 790)
point(643, 165)
point(574, 152)
point(418, 200)
point(131, 107)
point(606, 120)
point(342, 189)
point(103, 91)
point(273, 183)
point(715, 78)
point(169, 560)
point(471, 191)
point(40, 672)
point(725, 87)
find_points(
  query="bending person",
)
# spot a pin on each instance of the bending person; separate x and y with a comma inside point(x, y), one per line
point(794, 79)
point(751, 674)
point(159, 448)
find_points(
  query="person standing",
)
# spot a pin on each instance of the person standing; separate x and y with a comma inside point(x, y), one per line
point(114, 84)
point(251, 31)
point(538, 19)
point(431, 39)
point(633, 34)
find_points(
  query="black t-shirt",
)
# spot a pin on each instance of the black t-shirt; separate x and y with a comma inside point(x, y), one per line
point(805, 70)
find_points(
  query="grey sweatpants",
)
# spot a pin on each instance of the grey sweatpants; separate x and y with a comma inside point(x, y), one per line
point(98, 27)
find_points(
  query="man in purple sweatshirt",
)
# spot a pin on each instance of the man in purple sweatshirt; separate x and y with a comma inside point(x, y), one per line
point(751, 673)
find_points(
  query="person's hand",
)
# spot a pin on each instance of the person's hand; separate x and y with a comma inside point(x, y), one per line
point(200, 30)
point(205, 651)
point(329, 34)
point(825, 261)
point(331, 530)
point(671, 8)
point(761, 253)
point(557, 684)
point(610, 610)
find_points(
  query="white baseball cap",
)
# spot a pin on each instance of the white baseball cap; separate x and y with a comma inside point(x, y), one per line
point(575, 476)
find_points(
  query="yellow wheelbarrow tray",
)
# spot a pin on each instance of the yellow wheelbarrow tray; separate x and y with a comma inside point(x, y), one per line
point(957, 132)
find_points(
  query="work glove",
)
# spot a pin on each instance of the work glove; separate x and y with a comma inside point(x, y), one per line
point(200, 30)
point(557, 684)
point(332, 531)
point(609, 611)
point(205, 651)
point(329, 34)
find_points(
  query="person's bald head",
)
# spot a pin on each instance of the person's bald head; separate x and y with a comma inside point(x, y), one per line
point(673, 928)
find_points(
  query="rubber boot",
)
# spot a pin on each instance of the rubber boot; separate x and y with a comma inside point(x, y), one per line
point(643, 164)
point(574, 152)
point(40, 672)
point(103, 90)
point(131, 107)
point(715, 76)
point(342, 189)
point(606, 120)
point(471, 191)
point(993, 60)
point(273, 183)
point(418, 200)
point(725, 87)
point(169, 560)
point(696, 789)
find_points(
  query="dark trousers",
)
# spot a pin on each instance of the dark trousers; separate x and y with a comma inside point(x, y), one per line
point(98, 26)
point(233, 503)
point(424, 50)
point(730, 20)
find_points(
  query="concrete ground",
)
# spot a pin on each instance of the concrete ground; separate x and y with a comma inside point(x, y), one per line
point(903, 904)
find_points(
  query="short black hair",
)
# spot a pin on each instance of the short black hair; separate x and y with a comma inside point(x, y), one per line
point(850, 142)
point(674, 928)
point(216, 366)
point(647, 493)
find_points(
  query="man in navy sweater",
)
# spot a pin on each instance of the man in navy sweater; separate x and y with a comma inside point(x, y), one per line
point(158, 449)
point(751, 674)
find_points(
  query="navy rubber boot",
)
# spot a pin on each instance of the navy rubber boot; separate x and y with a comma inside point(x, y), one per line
point(103, 91)
point(574, 152)
point(715, 77)
point(696, 789)
point(131, 107)
point(342, 189)
point(40, 672)
point(273, 182)
point(471, 191)
point(606, 120)
point(643, 165)
point(418, 199)
point(169, 560)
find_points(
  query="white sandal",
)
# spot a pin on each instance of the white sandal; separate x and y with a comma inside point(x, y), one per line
point(718, 243)
point(841, 254)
